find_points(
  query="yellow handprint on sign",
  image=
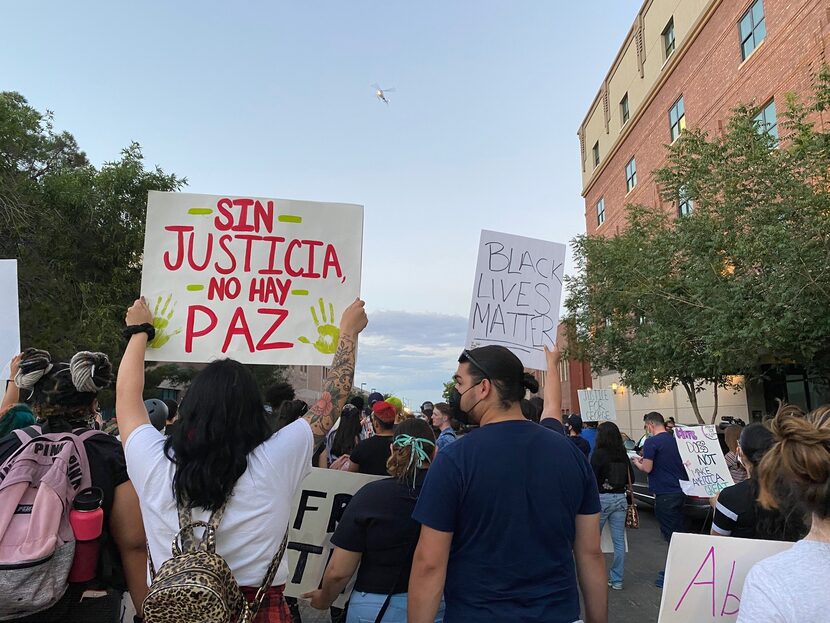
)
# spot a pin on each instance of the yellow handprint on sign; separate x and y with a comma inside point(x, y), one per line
point(327, 333)
point(161, 320)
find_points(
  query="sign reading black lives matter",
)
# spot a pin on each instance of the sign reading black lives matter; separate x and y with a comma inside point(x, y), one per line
point(516, 294)
point(317, 508)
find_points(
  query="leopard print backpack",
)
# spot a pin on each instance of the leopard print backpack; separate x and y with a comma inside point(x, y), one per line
point(196, 584)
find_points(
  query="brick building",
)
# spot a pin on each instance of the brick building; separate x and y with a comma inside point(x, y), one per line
point(687, 63)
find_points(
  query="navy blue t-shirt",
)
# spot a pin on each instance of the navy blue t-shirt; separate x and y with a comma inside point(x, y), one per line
point(668, 468)
point(509, 492)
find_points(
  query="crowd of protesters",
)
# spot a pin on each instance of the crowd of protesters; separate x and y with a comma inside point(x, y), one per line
point(491, 509)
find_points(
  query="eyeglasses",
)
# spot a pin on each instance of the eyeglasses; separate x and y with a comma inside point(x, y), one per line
point(469, 357)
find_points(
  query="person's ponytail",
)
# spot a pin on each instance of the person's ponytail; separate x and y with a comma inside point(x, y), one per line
point(798, 462)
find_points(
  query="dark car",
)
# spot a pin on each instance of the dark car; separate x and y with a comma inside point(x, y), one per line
point(698, 511)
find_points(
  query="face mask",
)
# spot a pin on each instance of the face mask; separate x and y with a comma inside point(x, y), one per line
point(455, 404)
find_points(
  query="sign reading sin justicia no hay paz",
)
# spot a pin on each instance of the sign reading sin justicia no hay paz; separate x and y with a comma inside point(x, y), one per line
point(258, 280)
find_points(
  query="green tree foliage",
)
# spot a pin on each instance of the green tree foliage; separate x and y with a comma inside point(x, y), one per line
point(742, 281)
point(448, 387)
point(77, 231)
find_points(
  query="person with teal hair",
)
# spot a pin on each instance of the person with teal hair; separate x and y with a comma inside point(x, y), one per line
point(16, 416)
point(377, 536)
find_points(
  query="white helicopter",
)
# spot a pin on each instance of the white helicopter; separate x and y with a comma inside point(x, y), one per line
point(381, 93)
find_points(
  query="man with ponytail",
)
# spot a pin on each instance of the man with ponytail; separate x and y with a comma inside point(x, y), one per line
point(791, 587)
point(377, 533)
point(509, 513)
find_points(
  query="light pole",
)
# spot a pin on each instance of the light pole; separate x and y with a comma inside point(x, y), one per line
point(361, 388)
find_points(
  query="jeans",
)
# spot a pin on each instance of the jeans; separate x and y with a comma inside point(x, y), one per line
point(613, 510)
point(364, 608)
point(668, 508)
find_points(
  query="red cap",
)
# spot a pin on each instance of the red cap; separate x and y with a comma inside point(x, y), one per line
point(383, 411)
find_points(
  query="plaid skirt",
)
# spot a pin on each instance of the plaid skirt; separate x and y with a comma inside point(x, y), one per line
point(274, 609)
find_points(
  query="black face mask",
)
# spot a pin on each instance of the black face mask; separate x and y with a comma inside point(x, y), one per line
point(455, 405)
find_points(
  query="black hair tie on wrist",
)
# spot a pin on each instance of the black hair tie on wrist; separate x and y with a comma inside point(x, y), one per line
point(147, 328)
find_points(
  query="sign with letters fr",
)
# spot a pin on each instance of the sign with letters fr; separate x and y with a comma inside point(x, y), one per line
point(516, 294)
point(259, 280)
point(705, 576)
point(703, 459)
point(317, 508)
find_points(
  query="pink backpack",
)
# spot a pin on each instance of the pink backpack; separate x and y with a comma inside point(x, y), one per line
point(38, 484)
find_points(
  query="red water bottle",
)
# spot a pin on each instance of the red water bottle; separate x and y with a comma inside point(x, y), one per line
point(87, 521)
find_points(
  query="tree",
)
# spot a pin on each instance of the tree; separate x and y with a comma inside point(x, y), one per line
point(448, 387)
point(77, 231)
point(742, 281)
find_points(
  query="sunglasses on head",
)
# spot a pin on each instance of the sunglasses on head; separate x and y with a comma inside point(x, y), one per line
point(466, 354)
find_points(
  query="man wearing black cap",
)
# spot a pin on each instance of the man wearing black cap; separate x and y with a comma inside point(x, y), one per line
point(517, 506)
point(574, 427)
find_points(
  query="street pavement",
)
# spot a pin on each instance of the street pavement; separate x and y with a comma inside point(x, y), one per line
point(638, 602)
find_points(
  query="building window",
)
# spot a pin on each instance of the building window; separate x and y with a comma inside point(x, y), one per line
point(595, 153)
point(685, 204)
point(304, 369)
point(600, 211)
point(767, 121)
point(630, 175)
point(677, 119)
point(668, 38)
point(564, 377)
point(753, 28)
point(624, 113)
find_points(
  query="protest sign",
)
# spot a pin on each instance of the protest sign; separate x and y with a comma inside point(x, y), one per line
point(596, 405)
point(516, 294)
point(259, 280)
point(10, 313)
point(703, 459)
point(317, 507)
point(705, 576)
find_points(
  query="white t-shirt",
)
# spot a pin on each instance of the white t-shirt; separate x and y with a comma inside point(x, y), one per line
point(790, 587)
point(255, 517)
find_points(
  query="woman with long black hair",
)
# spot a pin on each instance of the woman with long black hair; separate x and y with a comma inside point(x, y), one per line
point(224, 457)
point(613, 472)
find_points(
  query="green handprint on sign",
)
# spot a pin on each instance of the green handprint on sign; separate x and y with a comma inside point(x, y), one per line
point(161, 320)
point(327, 333)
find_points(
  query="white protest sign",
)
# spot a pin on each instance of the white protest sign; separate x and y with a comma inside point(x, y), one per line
point(259, 280)
point(596, 405)
point(703, 459)
point(317, 507)
point(516, 294)
point(10, 313)
point(705, 576)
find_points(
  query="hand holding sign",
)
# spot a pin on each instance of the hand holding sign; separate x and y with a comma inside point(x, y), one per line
point(139, 313)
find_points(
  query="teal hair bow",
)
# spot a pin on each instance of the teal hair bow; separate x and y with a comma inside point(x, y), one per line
point(417, 446)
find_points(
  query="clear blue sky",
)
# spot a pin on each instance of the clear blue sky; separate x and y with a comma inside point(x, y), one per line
point(274, 99)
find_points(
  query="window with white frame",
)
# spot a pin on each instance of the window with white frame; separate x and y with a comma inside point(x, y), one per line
point(600, 211)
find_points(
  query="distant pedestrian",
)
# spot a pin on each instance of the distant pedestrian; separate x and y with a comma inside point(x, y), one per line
point(442, 421)
point(613, 471)
point(574, 427)
point(661, 461)
point(370, 455)
point(736, 469)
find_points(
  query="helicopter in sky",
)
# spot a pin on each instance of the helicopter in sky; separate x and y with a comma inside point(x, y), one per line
point(381, 93)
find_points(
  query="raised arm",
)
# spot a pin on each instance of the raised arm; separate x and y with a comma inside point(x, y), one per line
point(12, 394)
point(129, 388)
point(326, 410)
point(553, 386)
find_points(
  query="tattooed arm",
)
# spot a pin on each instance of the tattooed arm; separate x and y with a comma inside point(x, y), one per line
point(325, 411)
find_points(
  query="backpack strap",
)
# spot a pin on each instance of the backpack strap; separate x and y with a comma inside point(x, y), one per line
point(270, 574)
point(186, 525)
point(27, 433)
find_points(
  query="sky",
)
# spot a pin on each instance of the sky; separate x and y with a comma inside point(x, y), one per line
point(274, 99)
